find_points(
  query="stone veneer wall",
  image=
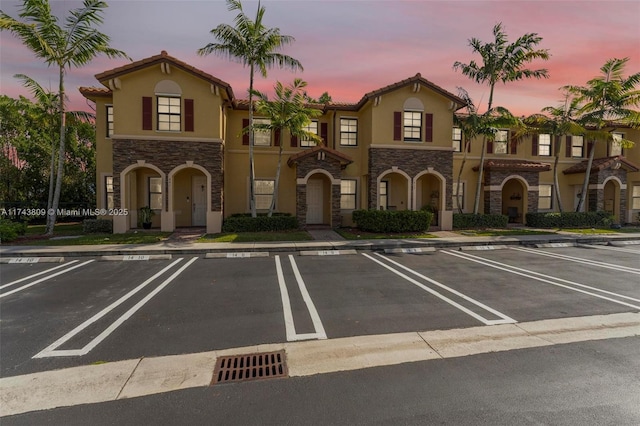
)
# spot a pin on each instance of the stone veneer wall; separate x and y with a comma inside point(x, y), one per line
point(596, 196)
point(412, 162)
point(167, 155)
point(493, 199)
point(303, 167)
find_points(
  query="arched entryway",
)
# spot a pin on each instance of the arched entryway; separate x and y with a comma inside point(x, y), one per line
point(430, 194)
point(142, 185)
point(394, 191)
point(514, 200)
point(612, 198)
point(318, 200)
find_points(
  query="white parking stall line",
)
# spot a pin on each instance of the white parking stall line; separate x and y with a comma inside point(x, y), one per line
point(286, 305)
point(50, 351)
point(15, 290)
point(547, 279)
point(605, 265)
point(36, 275)
point(505, 319)
point(612, 248)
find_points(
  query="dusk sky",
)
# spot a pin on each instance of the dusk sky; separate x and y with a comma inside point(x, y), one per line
point(349, 48)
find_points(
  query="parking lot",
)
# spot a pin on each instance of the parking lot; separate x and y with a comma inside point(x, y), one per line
point(91, 310)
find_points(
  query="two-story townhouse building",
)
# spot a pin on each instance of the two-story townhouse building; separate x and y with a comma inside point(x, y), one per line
point(170, 136)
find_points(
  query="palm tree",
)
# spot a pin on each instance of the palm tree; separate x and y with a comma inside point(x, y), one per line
point(48, 102)
point(556, 122)
point(73, 44)
point(501, 61)
point(607, 100)
point(287, 111)
point(254, 45)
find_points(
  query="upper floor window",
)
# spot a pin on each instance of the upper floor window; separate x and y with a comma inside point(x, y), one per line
point(457, 139)
point(312, 127)
point(169, 113)
point(577, 146)
point(155, 193)
point(348, 194)
point(261, 137)
point(544, 144)
point(348, 131)
point(616, 147)
point(412, 121)
point(500, 142)
point(109, 120)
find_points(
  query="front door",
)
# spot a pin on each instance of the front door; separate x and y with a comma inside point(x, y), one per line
point(199, 201)
point(314, 201)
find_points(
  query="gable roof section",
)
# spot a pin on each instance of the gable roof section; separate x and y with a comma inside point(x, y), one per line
point(344, 159)
point(416, 79)
point(514, 165)
point(603, 163)
point(103, 77)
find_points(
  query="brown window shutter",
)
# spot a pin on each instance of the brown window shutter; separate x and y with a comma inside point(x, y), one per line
point(397, 126)
point(188, 115)
point(567, 148)
point(514, 145)
point(147, 122)
point(489, 147)
point(428, 127)
point(534, 145)
point(294, 141)
point(276, 137)
point(245, 136)
point(324, 131)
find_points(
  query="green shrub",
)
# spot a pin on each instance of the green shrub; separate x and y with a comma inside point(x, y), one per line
point(10, 230)
point(97, 226)
point(245, 223)
point(470, 220)
point(392, 221)
point(569, 220)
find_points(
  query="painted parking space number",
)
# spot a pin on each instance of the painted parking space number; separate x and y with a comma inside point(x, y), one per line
point(25, 260)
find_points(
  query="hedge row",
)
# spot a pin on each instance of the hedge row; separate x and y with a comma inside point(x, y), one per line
point(392, 221)
point(10, 230)
point(97, 226)
point(569, 220)
point(470, 220)
point(246, 223)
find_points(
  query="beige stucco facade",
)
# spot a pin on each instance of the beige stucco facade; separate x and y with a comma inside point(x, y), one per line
point(176, 143)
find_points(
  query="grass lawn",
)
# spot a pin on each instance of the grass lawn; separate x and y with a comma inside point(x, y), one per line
point(502, 232)
point(356, 234)
point(71, 234)
point(251, 237)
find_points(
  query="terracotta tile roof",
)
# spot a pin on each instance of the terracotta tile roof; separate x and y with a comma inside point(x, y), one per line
point(343, 158)
point(93, 92)
point(514, 165)
point(163, 57)
point(601, 164)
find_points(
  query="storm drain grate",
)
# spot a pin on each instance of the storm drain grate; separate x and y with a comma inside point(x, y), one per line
point(242, 368)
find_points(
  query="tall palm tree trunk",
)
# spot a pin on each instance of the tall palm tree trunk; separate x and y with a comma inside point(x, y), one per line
point(52, 213)
point(252, 175)
point(458, 183)
point(476, 203)
point(587, 176)
point(277, 181)
point(556, 187)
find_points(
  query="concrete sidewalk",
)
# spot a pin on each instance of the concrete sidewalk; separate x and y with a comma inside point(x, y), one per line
point(444, 239)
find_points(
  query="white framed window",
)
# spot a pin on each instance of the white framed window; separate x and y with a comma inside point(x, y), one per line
point(348, 194)
point(616, 147)
point(544, 144)
point(155, 193)
point(577, 146)
point(383, 195)
point(169, 113)
point(635, 197)
point(108, 192)
point(454, 192)
point(109, 110)
point(261, 137)
point(500, 143)
point(312, 127)
point(348, 131)
point(264, 193)
point(412, 121)
point(456, 137)
point(545, 198)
